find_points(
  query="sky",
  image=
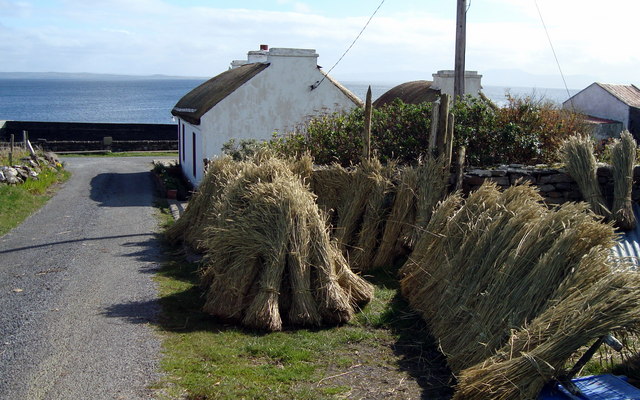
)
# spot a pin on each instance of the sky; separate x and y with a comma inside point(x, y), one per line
point(406, 40)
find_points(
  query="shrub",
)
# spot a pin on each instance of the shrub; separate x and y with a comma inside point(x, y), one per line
point(399, 131)
point(525, 131)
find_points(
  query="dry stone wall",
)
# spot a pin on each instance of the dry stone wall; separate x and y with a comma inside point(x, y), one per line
point(27, 168)
point(554, 184)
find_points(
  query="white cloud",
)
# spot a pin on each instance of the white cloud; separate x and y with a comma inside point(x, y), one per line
point(153, 36)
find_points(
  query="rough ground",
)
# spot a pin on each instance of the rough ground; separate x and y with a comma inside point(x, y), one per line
point(76, 296)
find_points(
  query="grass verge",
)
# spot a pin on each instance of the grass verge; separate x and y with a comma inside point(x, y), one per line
point(385, 352)
point(19, 201)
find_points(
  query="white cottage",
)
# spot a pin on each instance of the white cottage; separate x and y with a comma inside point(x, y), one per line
point(274, 90)
point(610, 102)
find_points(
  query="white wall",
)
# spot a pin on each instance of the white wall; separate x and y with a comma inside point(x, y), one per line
point(276, 100)
point(186, 151)
point(444, 80)
point(596, 101)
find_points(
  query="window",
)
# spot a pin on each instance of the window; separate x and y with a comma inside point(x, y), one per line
point(184, 149)
point(193, 137)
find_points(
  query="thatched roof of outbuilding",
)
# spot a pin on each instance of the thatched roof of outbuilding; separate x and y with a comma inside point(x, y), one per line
point(197, 102)
point(414, 92)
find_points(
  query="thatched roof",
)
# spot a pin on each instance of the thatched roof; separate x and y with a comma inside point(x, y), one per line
point(201, 99)
point(414, 92)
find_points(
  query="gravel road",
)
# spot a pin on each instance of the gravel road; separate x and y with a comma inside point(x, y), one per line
point(76, 297)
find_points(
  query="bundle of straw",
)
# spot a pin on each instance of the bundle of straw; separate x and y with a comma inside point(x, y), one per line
point(495, 261)
point(536, 353)
point(577, 155)
point(433, 178)
point(402, 214)
point(417, 192)
point(623, 157)
point(361, 214)
point(330, 183)
point(199, 214)
point(269, 259)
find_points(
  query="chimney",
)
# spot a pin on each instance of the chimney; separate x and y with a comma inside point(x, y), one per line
point(257, 56)
point(443, 81)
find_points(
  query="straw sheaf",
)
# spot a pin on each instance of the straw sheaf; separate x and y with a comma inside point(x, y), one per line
point(402, 215)
point(499, 259)
point(198, 214)
point(433, 177)
point(623, 157)
point(577, 155)
point(360, 215)
point(417, 192)
point(374, 217)
point(330, 183)
point(536, 353)
point(269, 258)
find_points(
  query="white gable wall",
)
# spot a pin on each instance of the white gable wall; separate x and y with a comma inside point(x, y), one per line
point(191, 152)
point(596, 101)
point(276, 100)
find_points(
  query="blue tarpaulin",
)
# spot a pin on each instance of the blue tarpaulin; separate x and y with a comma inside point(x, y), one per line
point(595, 387)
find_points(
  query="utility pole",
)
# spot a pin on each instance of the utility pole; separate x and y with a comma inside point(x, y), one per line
point(461, 38)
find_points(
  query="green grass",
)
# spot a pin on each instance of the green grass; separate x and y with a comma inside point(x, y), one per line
point(205, 358)
point(20, 201)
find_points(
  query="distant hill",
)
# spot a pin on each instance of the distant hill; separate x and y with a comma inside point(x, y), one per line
point(87, 76)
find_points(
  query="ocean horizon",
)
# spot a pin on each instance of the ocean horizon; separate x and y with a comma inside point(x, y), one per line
point(149, 101)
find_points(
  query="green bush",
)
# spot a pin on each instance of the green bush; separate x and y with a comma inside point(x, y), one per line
point(399, 131)
point(525, 131)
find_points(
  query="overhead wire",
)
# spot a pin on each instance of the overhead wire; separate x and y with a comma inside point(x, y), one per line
point(546, 31)
point(315, 85)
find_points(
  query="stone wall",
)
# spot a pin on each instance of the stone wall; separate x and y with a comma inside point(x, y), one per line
point(77, 136)
point(116, 145)
point(80, 131)
point(554, 184)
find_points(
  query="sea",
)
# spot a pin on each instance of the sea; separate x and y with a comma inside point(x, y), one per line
point(150, 101)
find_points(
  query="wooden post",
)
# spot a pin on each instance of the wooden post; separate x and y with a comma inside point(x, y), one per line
point(366, 134)
point(459, 169)
point(25, 137)
point(11, 151)
point(433, 135)
point(461, 36)
point(449, 141)
point(443, 121)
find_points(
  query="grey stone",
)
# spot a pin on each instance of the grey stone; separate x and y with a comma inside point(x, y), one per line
point(556, 178)
point(500, 180)
point(564, 186)
point(473, 180)
point(480, 172)
point(498, 172)
point(12, 176)
point(546, 188)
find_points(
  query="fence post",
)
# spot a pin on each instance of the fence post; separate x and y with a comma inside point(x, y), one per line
point(433, 135)
point(443, 121)
point(11, 151)
point(25, 137)
point(449, 139)
point(462, 153)
point(366, 139)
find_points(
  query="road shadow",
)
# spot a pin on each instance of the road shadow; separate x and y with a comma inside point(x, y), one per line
point(70, 241)
point(122, 189)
